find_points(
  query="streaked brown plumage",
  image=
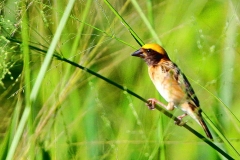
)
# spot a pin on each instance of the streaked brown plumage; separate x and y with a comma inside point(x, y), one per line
point(171, 83)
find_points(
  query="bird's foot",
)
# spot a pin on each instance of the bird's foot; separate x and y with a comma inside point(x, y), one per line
point(151, 103)
point(179, 122)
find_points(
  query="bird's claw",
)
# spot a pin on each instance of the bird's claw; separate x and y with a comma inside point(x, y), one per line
point(179, 122)
point(151, 103)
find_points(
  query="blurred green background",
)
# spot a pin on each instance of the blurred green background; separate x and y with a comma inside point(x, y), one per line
point(79, 116)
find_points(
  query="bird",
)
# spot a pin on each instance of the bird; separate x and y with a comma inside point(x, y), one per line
point(172, 84)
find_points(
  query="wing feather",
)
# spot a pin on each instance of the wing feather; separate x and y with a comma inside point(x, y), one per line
point(182, 80)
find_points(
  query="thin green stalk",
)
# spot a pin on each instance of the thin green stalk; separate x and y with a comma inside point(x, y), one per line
point(150, 12)
point(51, 50)
point(230, 114)
point(27, 79)
point(76, 42)
point(140, 42)
point(146, 21)
point(26, 68)
point(228, 60)
point(18, 133)
point(79, 33)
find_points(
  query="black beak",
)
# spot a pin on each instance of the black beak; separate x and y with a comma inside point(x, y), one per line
point(138, 53)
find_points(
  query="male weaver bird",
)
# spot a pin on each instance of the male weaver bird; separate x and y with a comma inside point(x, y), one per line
point(171, 83)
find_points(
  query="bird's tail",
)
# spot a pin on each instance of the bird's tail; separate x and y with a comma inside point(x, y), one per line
point(205, 128)
point(196, 113)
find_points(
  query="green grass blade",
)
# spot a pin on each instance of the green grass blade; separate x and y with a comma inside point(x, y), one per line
point(146, 21)
point(140, 42)
point(150, 12)
point(18, 133)
point(51, 50)
point(26, 69)
point(78, 36)
point(27, 79)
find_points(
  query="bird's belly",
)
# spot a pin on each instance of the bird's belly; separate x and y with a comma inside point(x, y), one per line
point(163, 91)
point(169, 88)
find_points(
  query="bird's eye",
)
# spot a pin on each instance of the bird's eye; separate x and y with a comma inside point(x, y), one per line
point(148, 50)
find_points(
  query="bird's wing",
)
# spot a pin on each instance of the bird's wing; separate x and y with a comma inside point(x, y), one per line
point(183, 81)
point(190, 90)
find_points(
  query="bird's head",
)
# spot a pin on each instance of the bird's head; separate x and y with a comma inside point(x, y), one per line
point(151, 53)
